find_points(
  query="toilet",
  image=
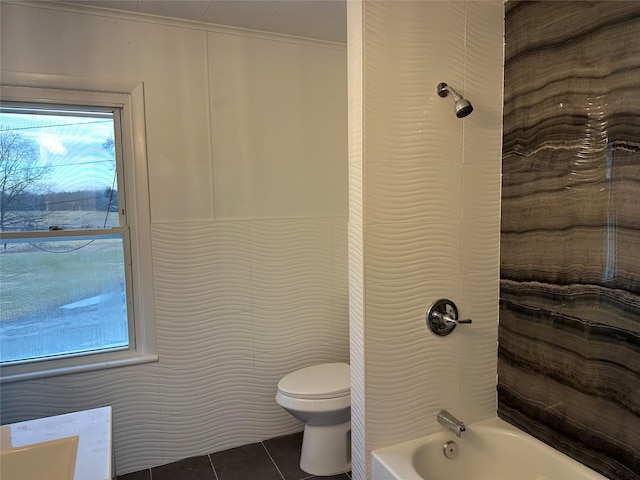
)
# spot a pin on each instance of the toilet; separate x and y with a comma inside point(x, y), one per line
point(320, 396)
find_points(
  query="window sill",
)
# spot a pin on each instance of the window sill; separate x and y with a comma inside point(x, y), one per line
point(11, 373)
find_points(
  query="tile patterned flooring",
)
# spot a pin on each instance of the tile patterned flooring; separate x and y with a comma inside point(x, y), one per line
point(274, 459)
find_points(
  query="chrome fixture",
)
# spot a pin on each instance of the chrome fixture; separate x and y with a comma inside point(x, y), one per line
point(450, 449)
point(451, 423)
point(462, 107)
point(442, 317)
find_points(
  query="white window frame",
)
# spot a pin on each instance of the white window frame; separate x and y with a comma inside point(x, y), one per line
point(129, 99)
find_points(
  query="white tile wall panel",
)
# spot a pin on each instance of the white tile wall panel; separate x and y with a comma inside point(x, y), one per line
point(198, 268)
point(396, 311)
point(401, 407)
point(399, 193)
point(484, 82)
point(431, 213)
point(481, 193)
point(355, 109)
point(356, 207)
point(211, 343)
point(360, 455)
point(285, 341)
point(134, 395)
point(217, 367)
point(272, 419)
point(22, 401)
point(412, 251)
point(213, 426)
point(414, 130)
point(479, 345)
point(340, 256)
point(424, 362)
point(340, 288)
point(291, 257)
point(405, 46)
point(355, 51)
point(480, 247)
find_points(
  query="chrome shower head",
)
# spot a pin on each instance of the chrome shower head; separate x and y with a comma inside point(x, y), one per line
point(462, 107)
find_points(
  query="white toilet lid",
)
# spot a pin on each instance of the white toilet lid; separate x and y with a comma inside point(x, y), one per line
point(327, 380)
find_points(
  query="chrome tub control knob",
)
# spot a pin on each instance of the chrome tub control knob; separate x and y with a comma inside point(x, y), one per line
point(442, 317)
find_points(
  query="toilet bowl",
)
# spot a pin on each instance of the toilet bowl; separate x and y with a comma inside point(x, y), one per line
point(320, 396)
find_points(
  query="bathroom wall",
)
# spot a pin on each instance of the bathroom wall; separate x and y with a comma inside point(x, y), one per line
point(569, 359)
point(424, 212)
point(247, 153)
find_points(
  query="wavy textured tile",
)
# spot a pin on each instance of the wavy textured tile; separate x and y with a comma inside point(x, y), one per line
point(187, 341)
point(480, 246)
point(242, 305)
point(481, 193)
point(355, 48)
point(394, 417)
point(290, 259)
point(273, 419)
point(340, 288)
point(415, 207)
point(201, 267)
point(407, 131)
point(24, 400)
point(397, 310)
point(360, 454)
point(386, 359)
point(479, 345)
point(403, 43)
point(212, 426)
point(417, 252)
point(400, 194)
point(137, 424)
point(483, 84)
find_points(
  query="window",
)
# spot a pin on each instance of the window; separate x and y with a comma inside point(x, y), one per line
point(72, 294)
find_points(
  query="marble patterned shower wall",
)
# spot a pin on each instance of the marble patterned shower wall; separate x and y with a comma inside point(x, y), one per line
point(569, 354)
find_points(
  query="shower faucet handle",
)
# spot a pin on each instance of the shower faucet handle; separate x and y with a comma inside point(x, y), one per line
point(442, 317)
point(445, 317)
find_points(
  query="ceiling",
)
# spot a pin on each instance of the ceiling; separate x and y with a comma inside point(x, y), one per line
point(317, 19)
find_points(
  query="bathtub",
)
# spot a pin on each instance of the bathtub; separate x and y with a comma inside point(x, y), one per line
point(488, 450)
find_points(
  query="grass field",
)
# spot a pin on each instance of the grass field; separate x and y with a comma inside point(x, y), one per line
point(36, 277)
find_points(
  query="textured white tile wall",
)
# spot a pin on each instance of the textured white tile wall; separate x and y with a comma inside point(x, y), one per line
point(424, 205)
point(356, 244)
point(249, 246)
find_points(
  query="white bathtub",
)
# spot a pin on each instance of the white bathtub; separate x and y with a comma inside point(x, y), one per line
point(488, 450)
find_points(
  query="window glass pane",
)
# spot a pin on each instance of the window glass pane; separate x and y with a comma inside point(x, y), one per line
point(57, 169)
point(62, 296)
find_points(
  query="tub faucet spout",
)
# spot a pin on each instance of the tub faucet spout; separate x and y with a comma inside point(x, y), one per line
point(451, 423)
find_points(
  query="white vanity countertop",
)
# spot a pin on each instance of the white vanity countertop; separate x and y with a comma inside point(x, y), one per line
point(93, 460)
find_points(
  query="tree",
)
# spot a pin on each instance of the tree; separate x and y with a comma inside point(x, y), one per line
point(21, 177)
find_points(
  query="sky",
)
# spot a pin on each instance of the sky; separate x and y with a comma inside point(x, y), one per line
point(71, 145)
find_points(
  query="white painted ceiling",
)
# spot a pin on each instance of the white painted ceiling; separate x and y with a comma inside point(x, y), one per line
point(317, 19)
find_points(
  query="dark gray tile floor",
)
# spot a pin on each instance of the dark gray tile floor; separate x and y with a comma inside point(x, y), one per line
point(274, 459)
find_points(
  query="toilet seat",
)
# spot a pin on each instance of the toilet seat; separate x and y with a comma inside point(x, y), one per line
point(324, 381)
